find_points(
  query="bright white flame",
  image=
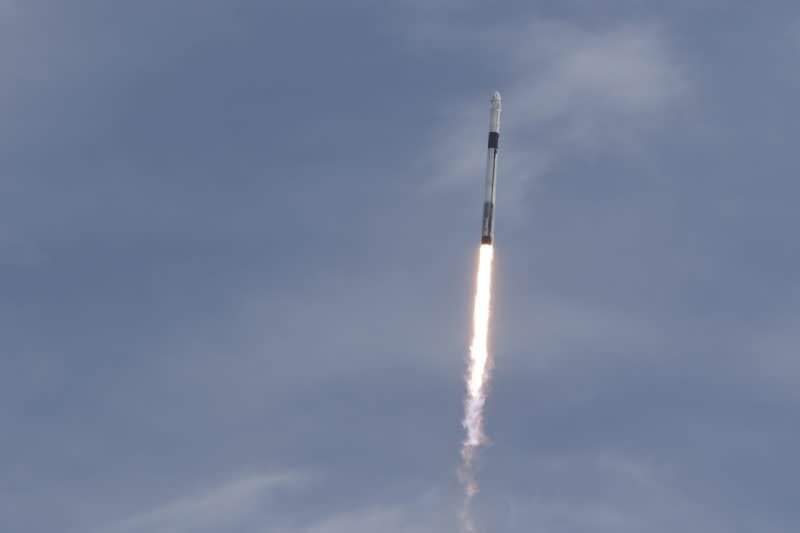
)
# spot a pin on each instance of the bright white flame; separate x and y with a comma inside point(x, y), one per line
point(477, 376)
point(479, 349)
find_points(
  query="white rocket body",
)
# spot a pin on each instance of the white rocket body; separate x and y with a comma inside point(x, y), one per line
point(487, 234)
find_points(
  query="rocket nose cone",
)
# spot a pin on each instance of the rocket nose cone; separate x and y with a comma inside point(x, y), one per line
point(496, 96)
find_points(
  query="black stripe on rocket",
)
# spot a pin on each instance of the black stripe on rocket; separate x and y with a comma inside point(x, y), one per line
point(494, 140)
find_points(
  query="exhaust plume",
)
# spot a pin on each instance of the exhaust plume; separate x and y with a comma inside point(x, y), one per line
point(477, 378)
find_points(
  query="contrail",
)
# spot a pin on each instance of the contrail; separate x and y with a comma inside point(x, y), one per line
point(479, 360)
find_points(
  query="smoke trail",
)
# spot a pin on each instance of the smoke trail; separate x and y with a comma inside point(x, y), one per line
point(477, 377)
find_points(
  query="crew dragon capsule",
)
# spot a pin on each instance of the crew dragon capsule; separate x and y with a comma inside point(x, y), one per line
point(487, 235)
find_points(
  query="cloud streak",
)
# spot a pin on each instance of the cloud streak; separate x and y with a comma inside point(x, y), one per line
point(219, 508)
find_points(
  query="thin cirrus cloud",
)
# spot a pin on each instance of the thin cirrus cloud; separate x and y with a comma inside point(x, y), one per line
point(271, 503)
point(222, 506)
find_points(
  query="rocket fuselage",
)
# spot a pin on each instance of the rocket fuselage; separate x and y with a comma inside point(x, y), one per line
point(487, 234)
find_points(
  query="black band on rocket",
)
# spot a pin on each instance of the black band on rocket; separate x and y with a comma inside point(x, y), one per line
point(494, 140)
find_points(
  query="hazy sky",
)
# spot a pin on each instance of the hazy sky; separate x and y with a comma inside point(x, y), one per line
point(237, 249)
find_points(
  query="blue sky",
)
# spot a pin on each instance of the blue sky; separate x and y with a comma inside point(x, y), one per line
point(237, 249)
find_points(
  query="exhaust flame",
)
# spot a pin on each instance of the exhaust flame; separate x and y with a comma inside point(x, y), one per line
point(477, 378)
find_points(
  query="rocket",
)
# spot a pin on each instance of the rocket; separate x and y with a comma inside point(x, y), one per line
point(487, 235)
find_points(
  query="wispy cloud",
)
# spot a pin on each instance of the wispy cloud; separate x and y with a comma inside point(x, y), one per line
point(567, 91)
point(391, 519)
point(768, 354)
point(244, 505)
point(215, 509)
point(606, 491)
